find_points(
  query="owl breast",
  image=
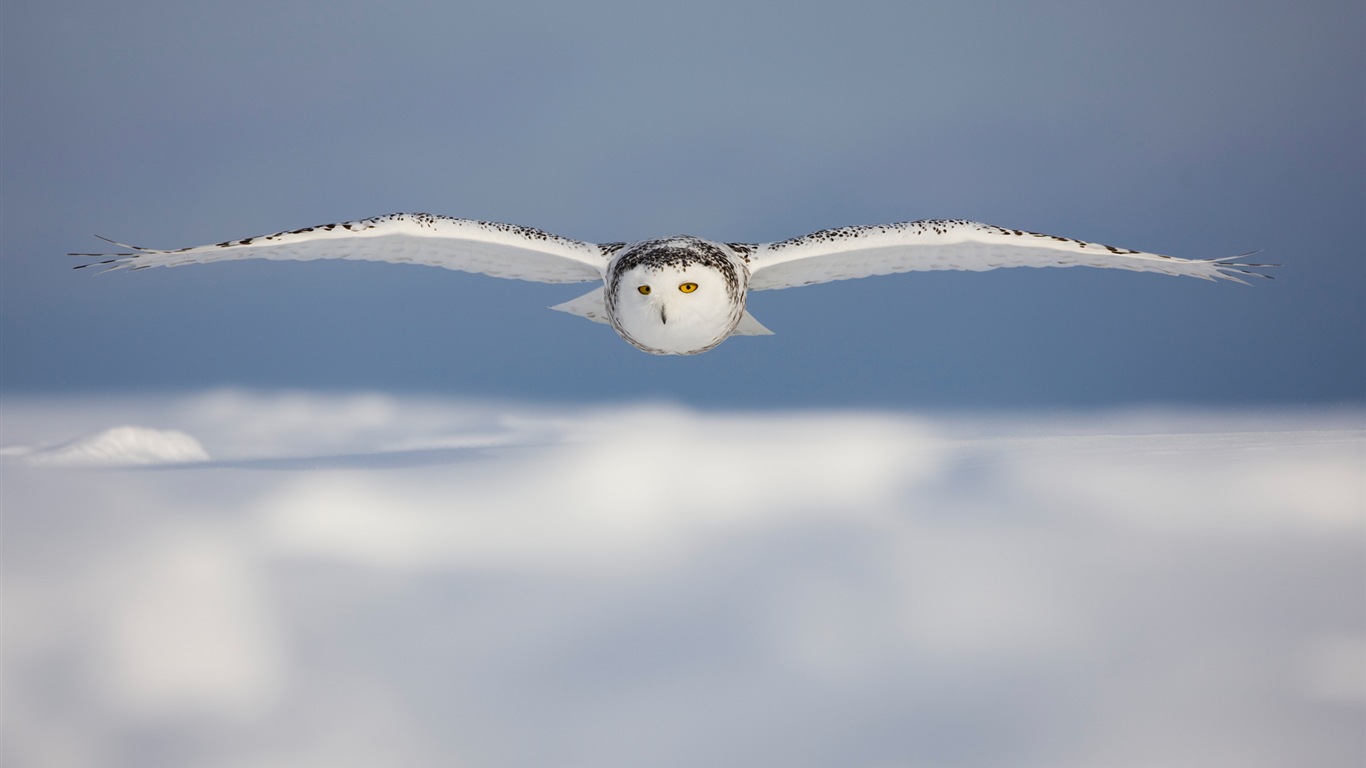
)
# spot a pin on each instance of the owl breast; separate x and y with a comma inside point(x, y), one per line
point(676, 296)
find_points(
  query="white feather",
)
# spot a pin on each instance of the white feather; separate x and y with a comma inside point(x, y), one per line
point(852, 252)
point(591, 306)
point(499, 250)
point(670, 320)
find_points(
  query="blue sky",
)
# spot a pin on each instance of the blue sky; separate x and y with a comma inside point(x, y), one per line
point(1196, 129)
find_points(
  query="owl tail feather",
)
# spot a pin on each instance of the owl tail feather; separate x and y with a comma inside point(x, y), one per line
point(592, 306)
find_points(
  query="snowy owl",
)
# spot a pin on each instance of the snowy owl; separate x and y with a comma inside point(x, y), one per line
point(675, 295)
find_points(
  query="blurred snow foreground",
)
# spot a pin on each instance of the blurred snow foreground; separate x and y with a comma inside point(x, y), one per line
point(295, 579)
point(120, 446)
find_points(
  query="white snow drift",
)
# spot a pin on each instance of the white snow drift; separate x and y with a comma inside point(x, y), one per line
point(122, 446)
point(367, 580)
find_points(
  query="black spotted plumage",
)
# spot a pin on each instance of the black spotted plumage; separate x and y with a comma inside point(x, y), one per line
point(525, 253)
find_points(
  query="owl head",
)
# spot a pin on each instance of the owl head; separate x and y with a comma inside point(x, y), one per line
point(679, 296)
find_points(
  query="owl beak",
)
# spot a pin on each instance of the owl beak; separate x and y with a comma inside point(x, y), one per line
point(663, 316)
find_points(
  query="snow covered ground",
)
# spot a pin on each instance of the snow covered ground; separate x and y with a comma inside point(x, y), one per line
point(243, 579)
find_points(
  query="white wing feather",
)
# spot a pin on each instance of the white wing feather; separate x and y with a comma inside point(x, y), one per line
point(850, 252)
point(499, 250)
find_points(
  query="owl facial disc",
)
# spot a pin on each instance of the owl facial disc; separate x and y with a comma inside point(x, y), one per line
point(676, 296)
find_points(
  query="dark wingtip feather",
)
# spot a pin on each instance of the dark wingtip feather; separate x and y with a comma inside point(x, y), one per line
point(123, 245)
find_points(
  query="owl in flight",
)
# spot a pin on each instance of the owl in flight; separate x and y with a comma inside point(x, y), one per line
point(676, 295)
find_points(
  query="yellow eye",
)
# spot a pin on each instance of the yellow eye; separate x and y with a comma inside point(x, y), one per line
point(644, 290)
point(688, 287)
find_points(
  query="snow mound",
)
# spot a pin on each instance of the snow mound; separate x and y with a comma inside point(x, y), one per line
point(123, 446)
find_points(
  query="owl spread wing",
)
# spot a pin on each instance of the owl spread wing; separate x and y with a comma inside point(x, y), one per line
point(499, 250)
point(850, 252)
